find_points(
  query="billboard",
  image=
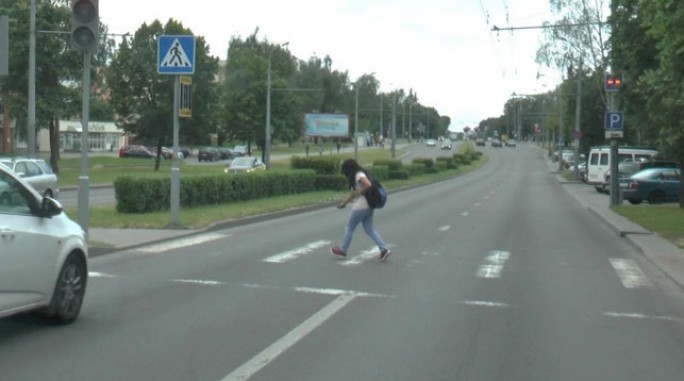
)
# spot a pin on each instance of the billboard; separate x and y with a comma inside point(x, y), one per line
point(336, 125)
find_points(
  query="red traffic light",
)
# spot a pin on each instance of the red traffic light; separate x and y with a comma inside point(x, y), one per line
point(613, 83)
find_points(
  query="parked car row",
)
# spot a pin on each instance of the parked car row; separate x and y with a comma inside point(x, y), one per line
point(140, 151)
point(210, 154)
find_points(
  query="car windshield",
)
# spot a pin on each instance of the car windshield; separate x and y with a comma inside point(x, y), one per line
point(241, 162)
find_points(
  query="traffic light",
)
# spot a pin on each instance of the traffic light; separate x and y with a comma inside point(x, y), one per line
point(85, 25)
point(613, 82)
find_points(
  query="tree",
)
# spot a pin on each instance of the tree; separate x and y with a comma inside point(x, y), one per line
point(136, 89)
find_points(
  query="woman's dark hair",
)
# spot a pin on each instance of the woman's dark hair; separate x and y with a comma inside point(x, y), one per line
point(349, 169)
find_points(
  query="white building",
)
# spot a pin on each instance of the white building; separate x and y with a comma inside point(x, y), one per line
point(102, 136)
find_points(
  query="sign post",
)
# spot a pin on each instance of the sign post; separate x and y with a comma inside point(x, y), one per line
point(176, 56)
point(614, 129)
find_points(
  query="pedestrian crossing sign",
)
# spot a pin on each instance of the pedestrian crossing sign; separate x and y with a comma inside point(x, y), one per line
point(176, 55)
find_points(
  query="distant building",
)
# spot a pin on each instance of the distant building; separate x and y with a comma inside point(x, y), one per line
point(102, 136)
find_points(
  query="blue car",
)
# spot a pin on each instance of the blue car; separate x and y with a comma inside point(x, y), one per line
point(655, 185)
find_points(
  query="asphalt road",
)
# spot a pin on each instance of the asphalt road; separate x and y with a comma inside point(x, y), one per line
point(495, 275)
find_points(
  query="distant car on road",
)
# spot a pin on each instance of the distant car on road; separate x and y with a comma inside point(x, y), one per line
point(208, 154)
point(510, 143)
point(240, 151)
point(36, 172)
point(479, 142)
point(245, 164)
point(431, 143)
point(446, 144)
point(136, 151)
point(496, 143)
point(655, 185)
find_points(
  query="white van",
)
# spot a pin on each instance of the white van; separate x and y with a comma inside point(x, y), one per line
point(598, 162)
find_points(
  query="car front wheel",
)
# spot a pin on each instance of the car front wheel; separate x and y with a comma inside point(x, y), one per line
point(67, 298)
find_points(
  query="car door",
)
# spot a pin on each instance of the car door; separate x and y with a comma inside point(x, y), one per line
point(27, 253)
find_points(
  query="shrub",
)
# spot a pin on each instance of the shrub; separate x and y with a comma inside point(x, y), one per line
point(392, 164)
point(322, 165)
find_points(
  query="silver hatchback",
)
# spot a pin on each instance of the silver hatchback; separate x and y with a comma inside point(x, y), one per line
point(43, 254)
point(36, 172)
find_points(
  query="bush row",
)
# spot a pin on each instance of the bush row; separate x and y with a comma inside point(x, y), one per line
point(145, 195)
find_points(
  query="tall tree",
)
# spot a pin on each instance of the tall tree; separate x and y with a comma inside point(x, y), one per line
point(143, 99)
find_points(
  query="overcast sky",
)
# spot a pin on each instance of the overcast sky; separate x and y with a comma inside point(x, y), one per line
point(442, 49)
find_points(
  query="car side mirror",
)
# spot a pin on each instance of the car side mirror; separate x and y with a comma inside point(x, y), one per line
point(50, 207)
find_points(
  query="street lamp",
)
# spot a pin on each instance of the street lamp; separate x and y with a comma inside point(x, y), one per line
point(267, 143)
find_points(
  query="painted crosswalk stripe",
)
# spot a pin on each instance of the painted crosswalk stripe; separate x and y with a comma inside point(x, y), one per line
point(493, 265)
point(630, 274)
point(365, 255)
point(180, 243)
point(298, 252)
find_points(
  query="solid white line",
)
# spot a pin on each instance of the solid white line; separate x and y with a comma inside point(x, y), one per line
point(294, 253)
point(445, 228)
point(201, 282)
point(180, 243)
point(251, 367)
point(493, 265)
point(629, 273)
point(95, 274)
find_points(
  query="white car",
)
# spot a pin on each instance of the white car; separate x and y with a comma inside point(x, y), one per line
point(36, 172)
point(43, 254)
point(431, 143)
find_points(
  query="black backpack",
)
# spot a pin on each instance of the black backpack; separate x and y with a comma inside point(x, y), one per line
point(376, 196)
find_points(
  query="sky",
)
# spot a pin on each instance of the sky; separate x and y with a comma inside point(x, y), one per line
point(444, 50)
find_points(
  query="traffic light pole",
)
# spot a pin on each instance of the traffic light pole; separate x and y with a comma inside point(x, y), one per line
point(83, 179)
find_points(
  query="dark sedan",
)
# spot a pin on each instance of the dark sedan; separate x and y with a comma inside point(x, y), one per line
point(655, 185)
point(135, 151)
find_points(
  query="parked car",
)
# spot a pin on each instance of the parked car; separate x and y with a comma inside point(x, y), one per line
point(629, 167)
point(136, 151)
point(599, 162)
point(655, 185)
point(225, 153)
point(208, 154)
point(510, 143)
point(240, 151)
point(245, 164)
point(446, 144)
point(36, 172)
point(430, 143)
point(43, 254)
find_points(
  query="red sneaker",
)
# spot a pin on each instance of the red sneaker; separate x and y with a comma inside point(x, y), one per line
point(338, 252)
point(384, 254)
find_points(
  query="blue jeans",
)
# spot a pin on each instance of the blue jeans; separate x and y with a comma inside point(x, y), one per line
point(364, 216)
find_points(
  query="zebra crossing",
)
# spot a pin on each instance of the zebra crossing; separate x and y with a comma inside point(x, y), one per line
point(491, 266)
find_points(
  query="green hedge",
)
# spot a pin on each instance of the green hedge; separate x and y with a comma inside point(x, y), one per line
point(393, 164)
point(145, 195)
point(322, 165)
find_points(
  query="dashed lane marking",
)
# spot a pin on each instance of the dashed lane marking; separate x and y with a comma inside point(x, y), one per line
point(444, 228)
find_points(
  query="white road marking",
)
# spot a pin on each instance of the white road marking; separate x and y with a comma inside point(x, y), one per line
point(630, 274)
point(484, 303)
point(180, 243)
point(642, 316)
point(95, 274)
point(201, 282)
point(493, 265)
point(298, 252)
point(269, 354)
point(444, 228)
point(464, 214)
point(365, 255)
